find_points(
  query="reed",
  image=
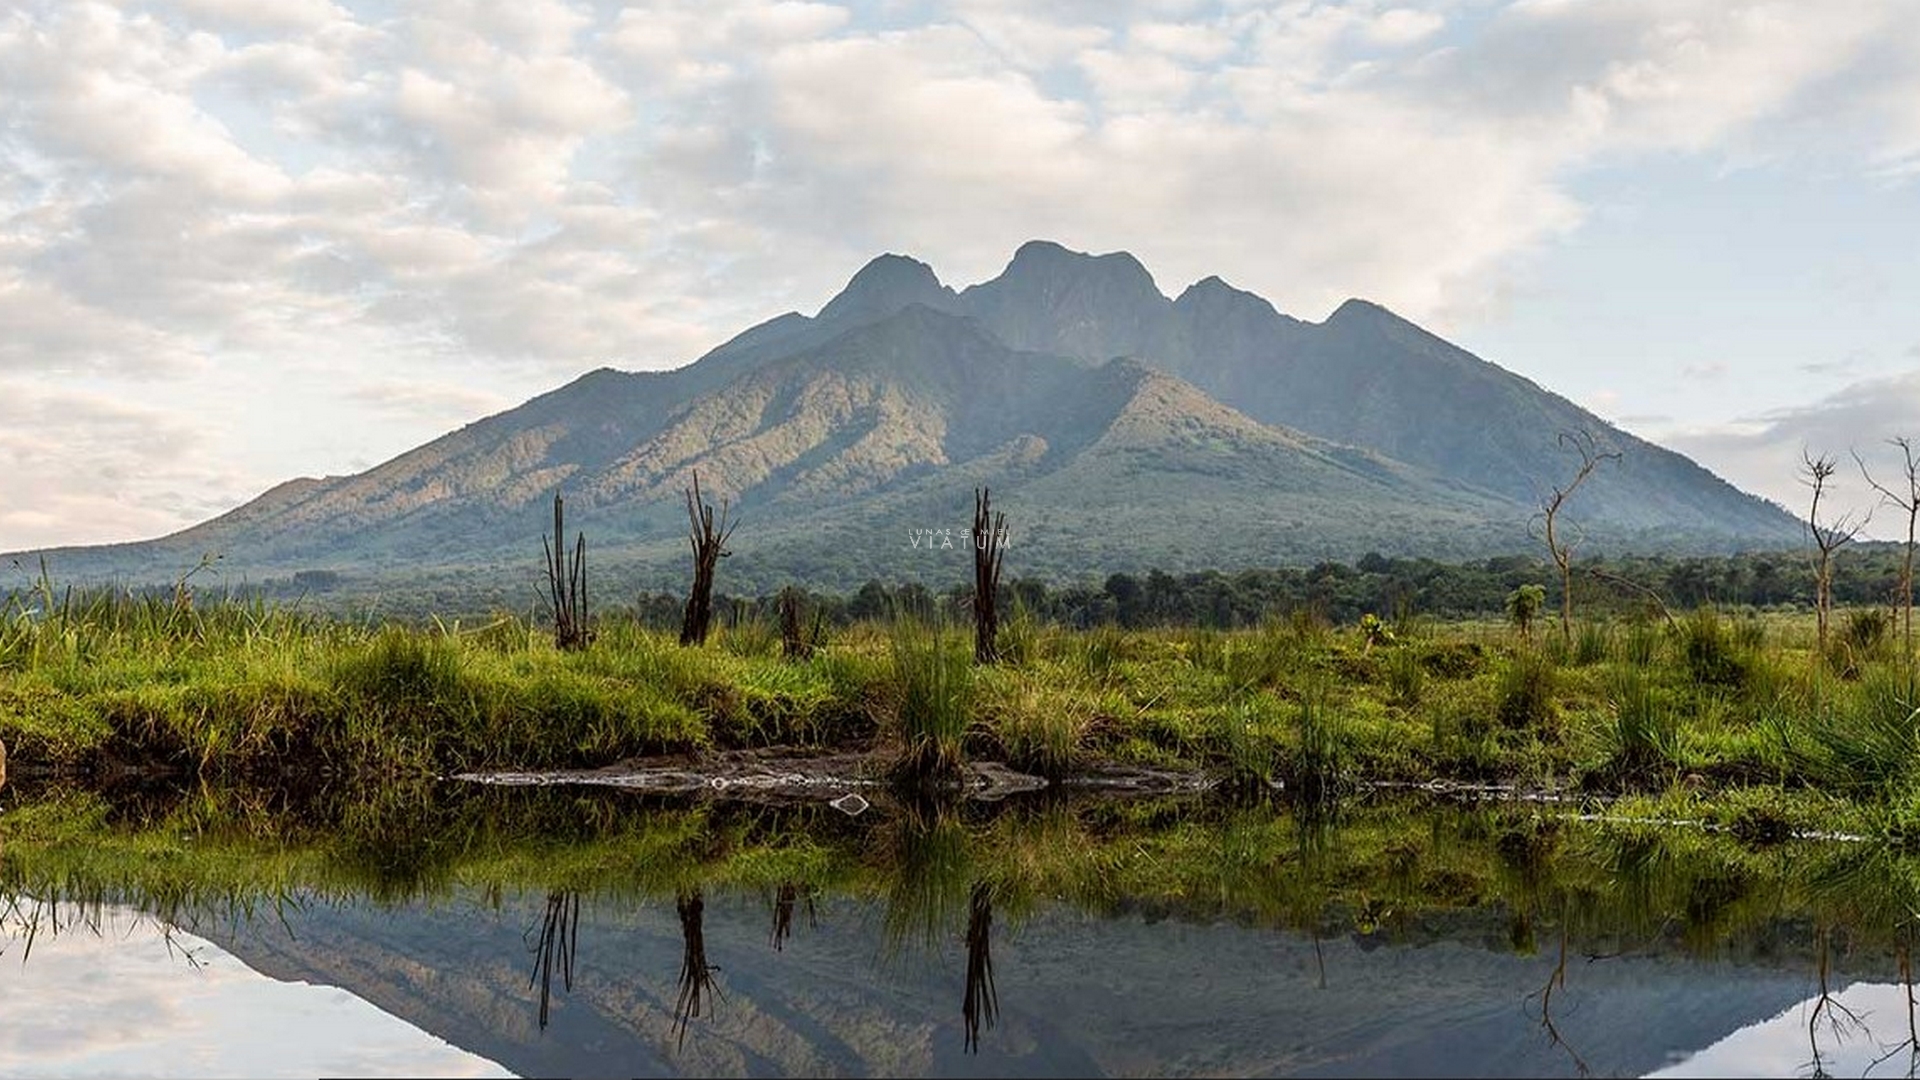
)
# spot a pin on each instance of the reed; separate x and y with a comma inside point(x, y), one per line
point(934, 682)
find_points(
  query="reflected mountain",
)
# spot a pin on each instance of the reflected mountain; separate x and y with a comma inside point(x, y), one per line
point(1159, 937)
point(1086, 995)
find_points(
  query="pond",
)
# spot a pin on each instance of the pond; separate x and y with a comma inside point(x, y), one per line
point(465, 930)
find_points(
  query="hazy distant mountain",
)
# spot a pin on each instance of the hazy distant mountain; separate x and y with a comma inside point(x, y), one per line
point(1119, 429)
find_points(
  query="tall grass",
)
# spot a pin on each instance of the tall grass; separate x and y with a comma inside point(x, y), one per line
point(1640, 644)
point(1317, 773)
point(1269, 655)
point(1528, 684)
point(752, 636)
point(1592, 644)
point(933, 673)
point(1018, 640)
point(1100, 652)
point(1708, 645)
point(1865, 740)
point(100, 678)
point(1406, 676)
point(1640, 737)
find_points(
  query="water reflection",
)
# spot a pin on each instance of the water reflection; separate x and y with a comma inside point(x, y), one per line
point(980, 1002)
point(1174, 936)
point(785, 898)
point(696, 981)
point(1555, 981)
point(559, 937)
point(1867, 1042)
point(109, 990)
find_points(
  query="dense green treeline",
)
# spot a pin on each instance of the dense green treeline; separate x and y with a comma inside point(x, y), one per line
point(1386, 587)
point(1618, 586)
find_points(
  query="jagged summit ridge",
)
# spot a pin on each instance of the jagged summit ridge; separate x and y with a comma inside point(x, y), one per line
point(885, 285)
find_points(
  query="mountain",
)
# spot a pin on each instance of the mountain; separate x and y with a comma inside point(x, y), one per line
point(1118, 428)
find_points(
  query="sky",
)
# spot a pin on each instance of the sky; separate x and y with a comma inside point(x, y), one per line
point(243, 241)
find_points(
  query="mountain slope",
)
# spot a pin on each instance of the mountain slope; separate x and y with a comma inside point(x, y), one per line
point(1365, 377)
point(1227, 434)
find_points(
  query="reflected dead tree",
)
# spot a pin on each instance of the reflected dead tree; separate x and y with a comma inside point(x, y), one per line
point(696, 975)
point(981, 1002)
point(1842, 1022)
point(784, 901)
point(1319, 956)
point(559, 936)
point(1558, 981)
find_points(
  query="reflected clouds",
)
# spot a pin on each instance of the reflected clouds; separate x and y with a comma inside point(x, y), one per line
point(116, 994)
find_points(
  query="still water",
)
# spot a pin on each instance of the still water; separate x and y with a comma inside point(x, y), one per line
point(595, 933)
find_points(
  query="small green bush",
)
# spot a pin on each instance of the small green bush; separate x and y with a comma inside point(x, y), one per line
point(1527, 685)
point(1708, 646)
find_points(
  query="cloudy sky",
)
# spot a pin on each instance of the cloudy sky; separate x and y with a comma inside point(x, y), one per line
point(244, 240)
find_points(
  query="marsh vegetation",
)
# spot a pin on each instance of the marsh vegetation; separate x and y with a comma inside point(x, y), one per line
point(1710, 703)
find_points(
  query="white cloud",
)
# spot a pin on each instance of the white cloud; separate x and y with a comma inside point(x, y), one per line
point(1137, 80)
point(1762, 454)
point(1403, 26)
point(89, 467)
point(218, 192)
point(1196, 43)
point(278, 16)
point(437, 402)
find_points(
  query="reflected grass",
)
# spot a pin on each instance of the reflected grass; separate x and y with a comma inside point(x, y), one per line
point(1404, 871)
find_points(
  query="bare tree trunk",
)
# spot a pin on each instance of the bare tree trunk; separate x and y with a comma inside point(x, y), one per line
point(989, 533)
point(1591, 456)
point(1909, 502)
point(1827, 539)
point(708, 538)
point(793, 643)
point(567, 584)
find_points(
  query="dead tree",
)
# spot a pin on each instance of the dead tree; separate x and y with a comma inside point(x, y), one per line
point(1827, 539)
point(1582, 443)
point(566, 583)
point(793, 642)
point(708, 537)
point(1910, 502)
point(989, 539)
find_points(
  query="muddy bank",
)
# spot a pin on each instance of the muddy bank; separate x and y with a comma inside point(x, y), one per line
point(847, 779)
